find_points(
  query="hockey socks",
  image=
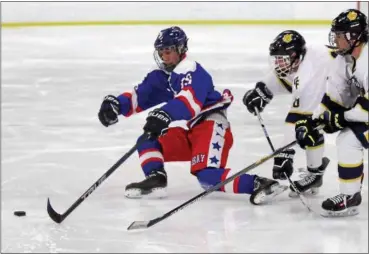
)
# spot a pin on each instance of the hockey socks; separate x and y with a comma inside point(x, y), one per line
point(211, 176)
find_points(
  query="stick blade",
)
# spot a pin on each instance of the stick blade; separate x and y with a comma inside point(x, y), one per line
point(58, 218)
point(139, 225)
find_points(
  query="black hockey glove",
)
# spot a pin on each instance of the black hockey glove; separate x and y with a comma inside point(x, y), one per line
point(258, 97)
point(109, 110)
point(283, 163)
point(333, 121)
point(157, 123)
point(306, 135)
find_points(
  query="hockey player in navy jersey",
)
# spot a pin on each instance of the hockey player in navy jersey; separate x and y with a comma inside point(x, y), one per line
point(189, 93)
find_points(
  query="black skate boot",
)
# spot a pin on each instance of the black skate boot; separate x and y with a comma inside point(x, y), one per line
point(265, 190)
point(312, 181)
point(154, 185)
point(342, 205)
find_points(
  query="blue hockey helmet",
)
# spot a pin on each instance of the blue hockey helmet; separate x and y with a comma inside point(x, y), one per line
point(170, 38)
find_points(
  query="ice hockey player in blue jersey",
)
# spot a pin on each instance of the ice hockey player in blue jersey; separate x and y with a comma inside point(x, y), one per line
point(189, 94)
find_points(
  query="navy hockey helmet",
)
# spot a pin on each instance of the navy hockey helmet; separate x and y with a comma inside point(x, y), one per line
point(170, 38)
point(286, 52)
point(353, 25)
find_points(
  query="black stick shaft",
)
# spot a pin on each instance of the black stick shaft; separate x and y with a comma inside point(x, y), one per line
point(285, 174)
point(264, 129)
point(60, 217)
point(136, 224)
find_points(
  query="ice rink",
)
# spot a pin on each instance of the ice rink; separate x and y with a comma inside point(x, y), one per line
point(53, 145)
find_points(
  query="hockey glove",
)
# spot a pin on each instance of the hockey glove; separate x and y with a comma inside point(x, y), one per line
point(306, 135)
point(258, 97)
point(283, 163)
point(109, 110)
point(157, 123)
point(333, 121)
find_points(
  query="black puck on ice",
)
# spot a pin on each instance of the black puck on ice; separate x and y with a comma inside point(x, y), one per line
point(20, 213)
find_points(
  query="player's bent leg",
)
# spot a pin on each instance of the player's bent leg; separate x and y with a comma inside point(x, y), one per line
point(152, 163)
point(213, 141)
point(209, 177)
point(350, 171)
point(152, 154)
point(262, 190)
point(265, 190)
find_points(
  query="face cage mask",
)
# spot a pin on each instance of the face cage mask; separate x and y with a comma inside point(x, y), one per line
point(167, 68)
point(333, 45)
point(282, 65)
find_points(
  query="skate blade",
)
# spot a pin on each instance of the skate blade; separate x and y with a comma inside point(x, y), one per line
point(263, 197)
point(137, 193)
point(352, 211)
point(310, 192)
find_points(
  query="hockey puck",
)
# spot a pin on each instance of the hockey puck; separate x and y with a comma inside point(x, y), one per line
point(20, 213)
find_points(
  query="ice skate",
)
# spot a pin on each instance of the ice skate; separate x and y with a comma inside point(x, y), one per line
point(311, 182)
point(342, 205)
point(155, 186)
point(265, 190)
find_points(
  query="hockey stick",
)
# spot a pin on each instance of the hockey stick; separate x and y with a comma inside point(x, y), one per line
point(263, 127)
point(147, 224)
point(58, 218)
point(271, 146)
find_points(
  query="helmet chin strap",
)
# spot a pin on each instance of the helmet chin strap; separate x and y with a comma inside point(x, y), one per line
point(352, 46)
point(301, 57)
point(351, 49)
point(294, 65)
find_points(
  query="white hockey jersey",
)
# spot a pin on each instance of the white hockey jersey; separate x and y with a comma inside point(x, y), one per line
point(307, 85)
point(352, 100)
point(360, 112)
point(342, 95)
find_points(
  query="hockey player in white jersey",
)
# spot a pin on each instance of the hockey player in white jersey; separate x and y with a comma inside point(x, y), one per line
point(299, 70)
point(344, 109)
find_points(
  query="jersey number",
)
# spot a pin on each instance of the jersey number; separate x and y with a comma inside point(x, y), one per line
point(187, 80)
point(296, 103)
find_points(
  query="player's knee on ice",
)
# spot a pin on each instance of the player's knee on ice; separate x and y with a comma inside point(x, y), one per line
point(209, 177)
point(261, 189)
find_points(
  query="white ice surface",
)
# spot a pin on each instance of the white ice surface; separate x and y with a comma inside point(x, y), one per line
point(53, 145)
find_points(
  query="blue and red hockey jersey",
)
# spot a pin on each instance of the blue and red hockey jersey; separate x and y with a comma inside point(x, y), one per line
point(188, 90)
